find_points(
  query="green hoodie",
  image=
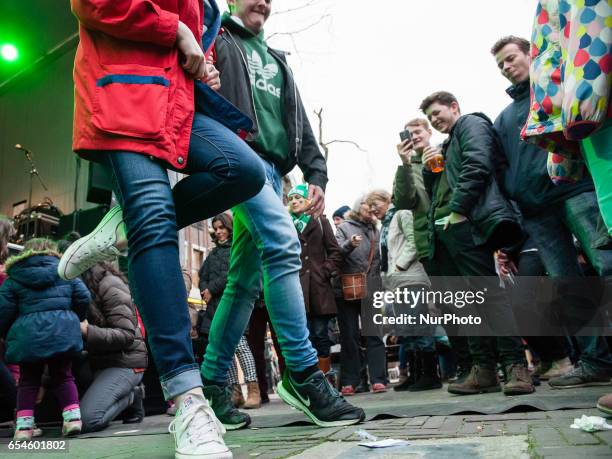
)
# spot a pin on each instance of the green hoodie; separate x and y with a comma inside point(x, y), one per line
point(267, 82)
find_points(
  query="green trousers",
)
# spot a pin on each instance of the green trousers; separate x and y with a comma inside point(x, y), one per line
point(597, 151)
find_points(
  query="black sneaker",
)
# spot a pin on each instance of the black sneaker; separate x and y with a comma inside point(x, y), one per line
point(579, 377)
point(318, 400)
point(220, 399)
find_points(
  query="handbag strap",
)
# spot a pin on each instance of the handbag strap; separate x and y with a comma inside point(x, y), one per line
point(371, 255)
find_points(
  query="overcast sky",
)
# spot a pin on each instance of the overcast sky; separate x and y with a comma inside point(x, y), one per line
point(369, 65)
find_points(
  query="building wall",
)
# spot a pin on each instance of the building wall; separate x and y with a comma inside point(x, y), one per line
point(37, 113)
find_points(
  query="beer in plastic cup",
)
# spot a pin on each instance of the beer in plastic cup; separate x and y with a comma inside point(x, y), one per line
point(436, 164)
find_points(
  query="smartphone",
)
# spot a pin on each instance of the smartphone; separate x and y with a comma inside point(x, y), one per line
point(405, 134)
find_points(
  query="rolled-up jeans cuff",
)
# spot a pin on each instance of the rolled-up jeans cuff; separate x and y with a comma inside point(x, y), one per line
point(180, 381)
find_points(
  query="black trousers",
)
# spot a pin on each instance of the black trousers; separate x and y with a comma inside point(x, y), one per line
point(349, 313)
point(256, 339)
point(456, 254)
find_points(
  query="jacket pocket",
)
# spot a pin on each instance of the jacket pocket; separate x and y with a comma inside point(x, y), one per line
point(132, 105)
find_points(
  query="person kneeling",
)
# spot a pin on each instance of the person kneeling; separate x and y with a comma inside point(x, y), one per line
point(116, 348)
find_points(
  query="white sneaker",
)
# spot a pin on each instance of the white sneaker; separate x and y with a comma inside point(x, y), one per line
point(99, 245)
point(197, 431)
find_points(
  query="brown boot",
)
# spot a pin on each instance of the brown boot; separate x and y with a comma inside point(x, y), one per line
point(325, 364)
point(604, 404)
point(480, 380)
point(253, 396)
point(518, 380)
point(237, 397)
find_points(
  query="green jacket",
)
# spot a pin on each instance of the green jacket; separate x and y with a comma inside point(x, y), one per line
point(409, 193)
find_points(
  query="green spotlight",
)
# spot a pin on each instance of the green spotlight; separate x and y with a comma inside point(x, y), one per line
point(9, 52)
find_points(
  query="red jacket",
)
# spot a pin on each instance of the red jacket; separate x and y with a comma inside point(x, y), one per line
point(131, 93)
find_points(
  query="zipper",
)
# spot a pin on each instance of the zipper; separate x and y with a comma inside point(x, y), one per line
point(295, 98)
point(246, 66)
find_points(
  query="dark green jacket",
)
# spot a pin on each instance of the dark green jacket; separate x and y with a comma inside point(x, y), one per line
point(409, 193)
point(474, 168)
point(236, 88)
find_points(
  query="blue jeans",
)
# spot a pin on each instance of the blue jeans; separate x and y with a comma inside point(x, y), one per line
point(224, 171)
point(552, 233)
point(264, 237)
point(419, 343)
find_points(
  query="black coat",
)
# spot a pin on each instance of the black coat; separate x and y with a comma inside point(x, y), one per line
point(235, 87)
point(321, 261)
point(213, 276)
point(474, 167)
point(526, 179)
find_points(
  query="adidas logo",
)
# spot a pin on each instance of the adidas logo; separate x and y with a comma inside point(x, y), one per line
point(260, 74)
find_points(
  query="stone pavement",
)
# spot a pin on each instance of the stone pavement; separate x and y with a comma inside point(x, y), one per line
point(534, 434)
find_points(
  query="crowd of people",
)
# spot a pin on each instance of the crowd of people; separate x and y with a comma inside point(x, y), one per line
point(162, 87)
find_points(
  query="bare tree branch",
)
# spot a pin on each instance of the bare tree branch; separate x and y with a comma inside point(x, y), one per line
point(303, 29)
point(297, 8)
point(355, 144)
point(325, 145)
point(321, 143)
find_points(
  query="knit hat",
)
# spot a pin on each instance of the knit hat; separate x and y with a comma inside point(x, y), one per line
point(357, 204)
point(301, 190)
point(341, 211)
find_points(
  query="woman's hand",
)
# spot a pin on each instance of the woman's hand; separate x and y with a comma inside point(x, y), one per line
point(214, 77)
point(194, 64)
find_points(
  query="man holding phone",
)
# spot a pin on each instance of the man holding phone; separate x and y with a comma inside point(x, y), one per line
point(408, 188)
point(409, 193)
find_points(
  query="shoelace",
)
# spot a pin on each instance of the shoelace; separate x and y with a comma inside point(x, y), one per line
point(325, 386)
point(197, 426)
point(577, 371)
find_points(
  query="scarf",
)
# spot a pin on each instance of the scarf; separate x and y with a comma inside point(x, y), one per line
point(384, 239)
point(300, 221)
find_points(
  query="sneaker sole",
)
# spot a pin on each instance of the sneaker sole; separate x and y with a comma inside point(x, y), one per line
point(242, 425)
point(291, 400)
point(548, 377)
point(76, 246)
point(589, 384)
point(603, 409)
point(224, 455)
